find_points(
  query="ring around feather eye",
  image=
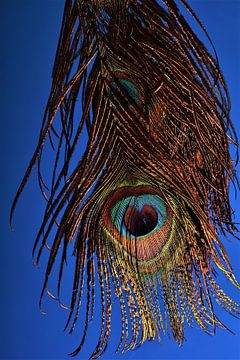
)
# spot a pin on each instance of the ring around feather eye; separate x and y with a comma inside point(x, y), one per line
point(140, 223)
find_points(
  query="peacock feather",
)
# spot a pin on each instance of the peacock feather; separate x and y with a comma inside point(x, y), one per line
point(146, 201)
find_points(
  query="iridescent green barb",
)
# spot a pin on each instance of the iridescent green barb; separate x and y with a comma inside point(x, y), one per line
point(145, 204)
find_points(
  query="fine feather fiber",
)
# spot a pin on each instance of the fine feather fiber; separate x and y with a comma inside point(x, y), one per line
point(145, 203)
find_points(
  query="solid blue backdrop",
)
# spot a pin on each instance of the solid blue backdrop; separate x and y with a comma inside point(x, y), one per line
point(29, 31)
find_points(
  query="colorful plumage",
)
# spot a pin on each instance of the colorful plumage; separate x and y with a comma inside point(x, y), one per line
point(147, 200)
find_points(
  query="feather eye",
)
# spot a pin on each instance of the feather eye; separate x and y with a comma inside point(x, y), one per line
point(128, 86)
point(138, 221)
point(145, 203)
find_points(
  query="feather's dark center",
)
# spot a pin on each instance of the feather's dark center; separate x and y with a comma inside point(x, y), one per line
point(140, 222)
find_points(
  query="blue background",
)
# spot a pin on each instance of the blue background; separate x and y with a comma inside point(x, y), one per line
point(29, 31)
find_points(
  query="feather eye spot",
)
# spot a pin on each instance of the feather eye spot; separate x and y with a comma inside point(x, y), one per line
point(138, 215)
point(127, 85)
point(130, 88)
point(139, 223)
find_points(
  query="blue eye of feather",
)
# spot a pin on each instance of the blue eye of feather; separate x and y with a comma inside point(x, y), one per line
point(138, 216)
point(128, 86)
